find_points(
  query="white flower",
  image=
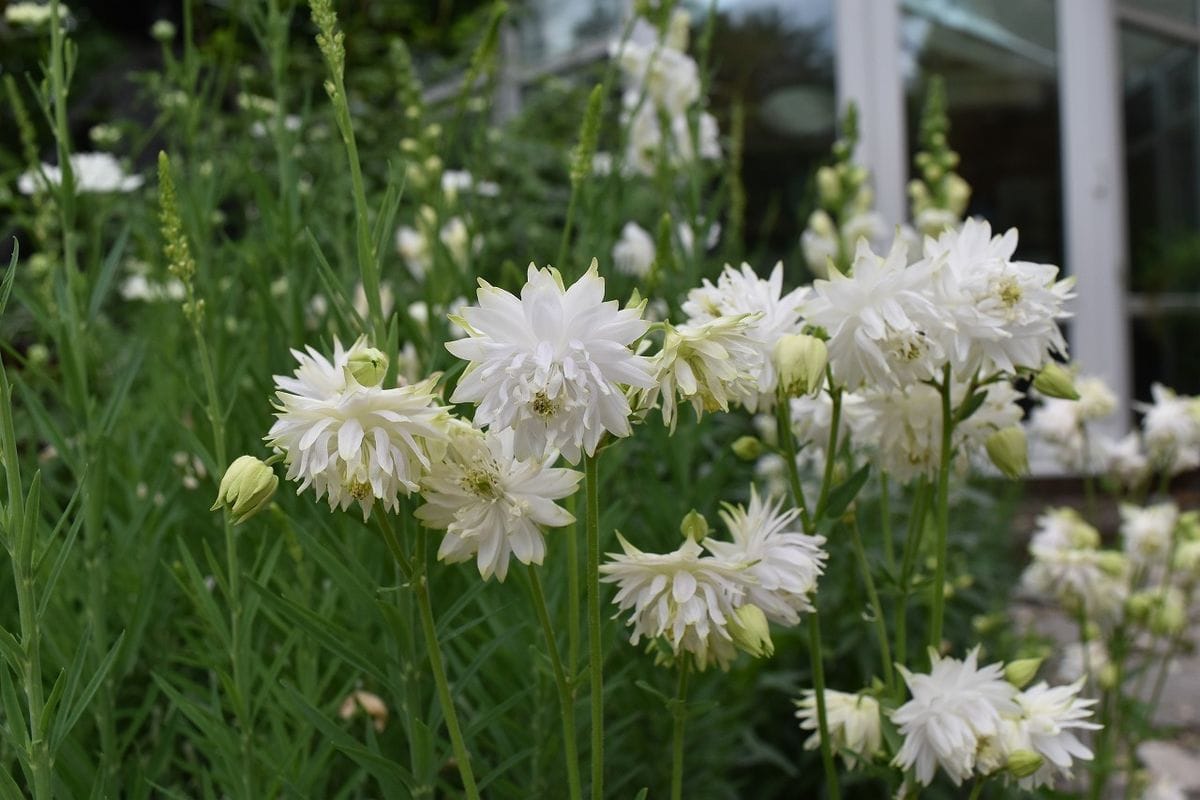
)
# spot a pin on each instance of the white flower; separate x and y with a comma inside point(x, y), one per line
point(852, 720)
point(1063, 529)
point(1146, 532)
point(1124, 458)
point(92, 172)
point(881, 320)
point(1093, 579)
point(784, 564)
point(685, 596)
point(669, 78)
point(491, 505)
point(1164, 788)
point(32, 15)
point(139, 287)
point(350, 441)
point(633, 254)
point(740, 292)
point(708, 364)
point(1004, 313)
point(900, 429)
point(1170, 430)
point(951, 709)
point(819, 243)
point(1048, 718)
point(416, 248)
point(552, 363)
point(1096, 400)
point(687, 238)
point(933, 221)
point(456, 181)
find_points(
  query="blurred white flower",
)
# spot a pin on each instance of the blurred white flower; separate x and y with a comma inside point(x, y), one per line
point(684, 596)
point(1124, 458)
point(1164, 788)
point(92, 173)
point(1094, 581)
point(687, 237)
point(633, 254)
point(881, 320)
point(139, 287)
point(952, 708)
point(387, 300)
point(855, 730)
point(784, 564)
point(416, 249)
point(1063, 529)
point(1171, 430)
point(551, 364)
point(32, 15)
point(350, 441)
point(1146, 532)
point(741, 292)
point(492, 505)
point(457, 181)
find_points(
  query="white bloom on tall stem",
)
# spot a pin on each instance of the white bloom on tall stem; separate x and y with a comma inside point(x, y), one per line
point(1124, 458)
point(685, 596)
point(852, 720)
point(1171, 430)
point(784, 564)
point(952, 707)
point(634, 252)
point(551, 364)
point(884, 327)
point(1049, 717)
point(1146, 533)
point(1004, 313)
point(97, 173)
point(492, 505)
point(708, 364)
point(739, 292)
point(352, 440)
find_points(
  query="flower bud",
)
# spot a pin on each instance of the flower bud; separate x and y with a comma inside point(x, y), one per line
point(1187, 559)
point(1020, 672)
point(163, 30)
point(678, 30)
point(751, 632)
point(1112, 563)
point(1056, 381)
point(748, 448)
point(1023, 763)
point(958, 193)
point(800, 360)
point(1107, 678)
point(368, 366)
point(1009, 451)
point(246, 488)
point(694, 526)
point(829, 188)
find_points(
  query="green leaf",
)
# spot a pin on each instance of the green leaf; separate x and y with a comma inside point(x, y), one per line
point(844, 493)
point(6, 285)
point(108, 271)
point(77, 705)
point(11, 650)
point(969, 406)
point(343, 307)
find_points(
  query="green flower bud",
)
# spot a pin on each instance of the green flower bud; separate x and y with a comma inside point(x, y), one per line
point(246, 488)
point(829, 188)
point(1023, 763)
point(801, 361)
point(1020, 672)
point(748, 448)
point(694, 526)
point(163, 30)
point(1107, 677)
point(1113, 563)
point(1009, 451)
point(751, 632)
point(1056, 381)
point(368, 366)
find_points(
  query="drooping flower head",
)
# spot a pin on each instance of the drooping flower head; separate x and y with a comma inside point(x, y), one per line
point(740, 292)
point(952, 708)
point(684, 596)
point(1049, 717)
point(852, 720)
point(551, 364)
point(784, 564)
point(492, 505)
point(349, 438)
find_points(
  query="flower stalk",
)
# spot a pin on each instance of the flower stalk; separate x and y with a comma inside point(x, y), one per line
point(595, 651)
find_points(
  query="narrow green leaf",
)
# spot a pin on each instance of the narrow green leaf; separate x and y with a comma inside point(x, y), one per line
point(10, 276)
point(844, 493)
point(969, 407)
point(11, 650)
point(80, 704)
point(343, 307)
point(108, 271)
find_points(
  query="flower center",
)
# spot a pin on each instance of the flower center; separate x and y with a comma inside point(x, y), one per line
point(1009, 291)
point(544, 406)
point(360, 490)
point(480, 482)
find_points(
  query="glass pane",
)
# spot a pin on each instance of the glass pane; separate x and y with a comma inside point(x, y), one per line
point(1160, 80)
point(1184, 10)
point(999, 63)
point(552, 29)
point(1164, 351)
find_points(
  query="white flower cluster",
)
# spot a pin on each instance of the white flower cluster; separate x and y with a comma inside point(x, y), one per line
point(417, 245)
point(92, 173)
point(709, 605)
point(662, 87)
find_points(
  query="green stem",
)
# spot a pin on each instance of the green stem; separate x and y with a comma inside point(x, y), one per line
point(680, 711)
point(938, 605)
point(912, 545)
point(977, 789)
point(22, 552)
point(787, 442)
point(873, 595)
point(461, 756)
point(818, 671)
point(885, 521)
point(566, 700)
point(595, 653)
point(835, 394)
point(573, 609)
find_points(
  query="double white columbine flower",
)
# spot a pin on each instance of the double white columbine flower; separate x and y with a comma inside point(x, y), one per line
point(740, 292)
point(349, 438)
point(551, 364)
point(490, 504)
point(852, 720)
